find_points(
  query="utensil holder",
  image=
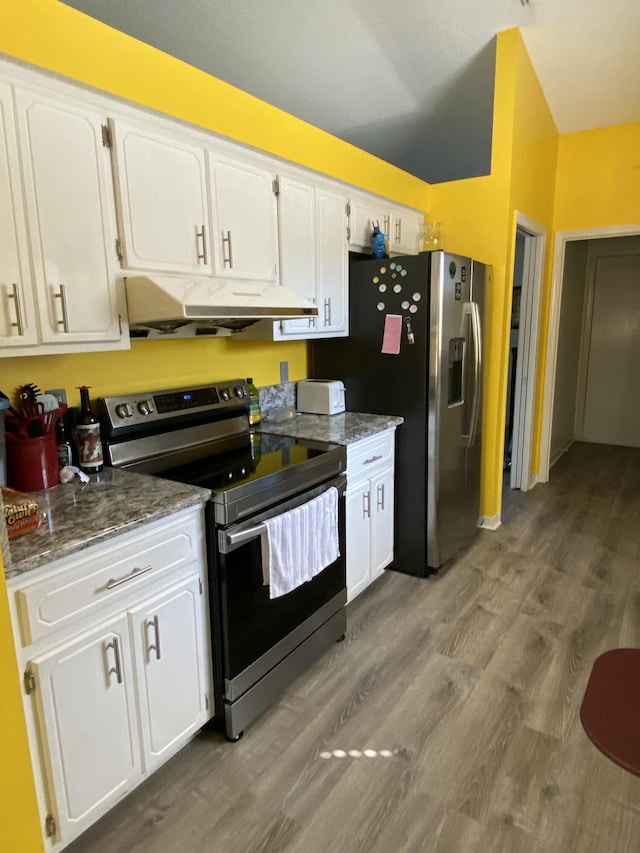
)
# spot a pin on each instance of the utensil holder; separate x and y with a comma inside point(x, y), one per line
point(32, 463)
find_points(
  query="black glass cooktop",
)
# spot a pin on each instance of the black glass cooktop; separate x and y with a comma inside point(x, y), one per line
point(253, 459)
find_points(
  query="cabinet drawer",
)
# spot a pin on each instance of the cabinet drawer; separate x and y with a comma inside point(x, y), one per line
point(370, 453)
point(106, 574)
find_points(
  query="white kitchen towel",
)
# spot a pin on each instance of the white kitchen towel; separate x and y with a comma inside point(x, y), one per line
point(300, 543)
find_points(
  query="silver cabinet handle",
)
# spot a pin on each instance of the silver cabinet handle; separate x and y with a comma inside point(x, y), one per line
point(373, 459)
point(398, 229)
point(154, 647)
point(312, 320)
point(380, 494)
point(113, 582)
point(16, 297)
point(327, 311)
point(117, 669)
point(227, 258)
point(386, 222)
point(62, 296)
point(201, 234)
point(366, 505)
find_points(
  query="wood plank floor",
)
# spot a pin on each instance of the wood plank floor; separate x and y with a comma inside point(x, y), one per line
point(470, 685)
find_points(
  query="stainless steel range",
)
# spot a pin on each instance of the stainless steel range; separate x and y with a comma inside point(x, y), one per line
point(200, 435)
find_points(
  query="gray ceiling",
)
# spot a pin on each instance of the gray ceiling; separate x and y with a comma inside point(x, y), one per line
point(411, 83)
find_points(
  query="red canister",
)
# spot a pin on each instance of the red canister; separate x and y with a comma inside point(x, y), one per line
point(32, 463)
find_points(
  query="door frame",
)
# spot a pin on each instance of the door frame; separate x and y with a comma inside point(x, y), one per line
point(526, 360)
point(557, 276)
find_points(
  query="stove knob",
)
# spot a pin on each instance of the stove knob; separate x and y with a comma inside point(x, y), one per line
point(225, 394)
point(239, 391)
point(124, 410)
point(145, 407)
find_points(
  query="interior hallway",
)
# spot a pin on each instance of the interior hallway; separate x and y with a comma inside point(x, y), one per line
point(472, 681)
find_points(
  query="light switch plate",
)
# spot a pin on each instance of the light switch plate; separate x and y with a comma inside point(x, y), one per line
point(59, 393)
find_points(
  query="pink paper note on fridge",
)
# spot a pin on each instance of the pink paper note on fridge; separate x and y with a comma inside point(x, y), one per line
point(392, 334)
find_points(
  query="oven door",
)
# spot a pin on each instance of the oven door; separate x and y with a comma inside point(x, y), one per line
point(256, 634)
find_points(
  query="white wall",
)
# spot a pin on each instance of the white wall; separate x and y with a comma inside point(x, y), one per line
point(569, 338)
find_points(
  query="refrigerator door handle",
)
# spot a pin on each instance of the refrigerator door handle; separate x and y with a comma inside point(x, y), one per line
point(477, 354)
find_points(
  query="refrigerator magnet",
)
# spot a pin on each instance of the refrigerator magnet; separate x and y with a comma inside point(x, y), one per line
point(392, 334)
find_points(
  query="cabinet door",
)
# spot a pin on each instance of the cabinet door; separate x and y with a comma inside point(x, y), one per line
point(86, 714)
point(297, 244)
point(245, 242)
point(382, 497)
point(172, 655)
point(407, 233)
point(17, 316)
point(332, 263)
point(162, 201)
point(363, 215)
point(358, 533)
point(69, 203)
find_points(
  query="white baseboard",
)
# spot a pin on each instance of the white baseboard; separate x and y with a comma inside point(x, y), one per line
point(490, 522)
point(560, 452)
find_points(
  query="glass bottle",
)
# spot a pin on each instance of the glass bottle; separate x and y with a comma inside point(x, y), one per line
point(65, 448)
point(90, 458)
point(254, 404)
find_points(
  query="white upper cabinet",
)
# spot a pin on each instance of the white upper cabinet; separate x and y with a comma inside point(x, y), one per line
point(17, 314)
point(332, 263)
point(403, 227)
point(244, 219)
point(161, 194)
point(297, 243)
point(56, 208)
point(406, 235)
point(312, 232)
point(364, 213)
point(69, 209)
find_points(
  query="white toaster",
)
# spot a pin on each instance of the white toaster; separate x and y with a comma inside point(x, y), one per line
point(320, 396)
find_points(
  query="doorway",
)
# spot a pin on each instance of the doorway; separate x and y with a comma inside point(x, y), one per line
point(522, 352)
point(567, 249)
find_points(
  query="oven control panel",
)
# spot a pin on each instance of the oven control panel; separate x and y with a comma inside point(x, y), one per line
point(153, 407)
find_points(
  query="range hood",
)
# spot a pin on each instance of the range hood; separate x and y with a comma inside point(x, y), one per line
point(165, 303)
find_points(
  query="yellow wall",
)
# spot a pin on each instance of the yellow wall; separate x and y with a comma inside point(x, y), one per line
point(19, 819)
point(598, 181)
point(533, 185)
point(478, 219)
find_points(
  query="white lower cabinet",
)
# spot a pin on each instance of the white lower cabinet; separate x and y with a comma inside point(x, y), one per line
point(84, 692)
point(117, 671)
point(168, 650)
point(369, 510)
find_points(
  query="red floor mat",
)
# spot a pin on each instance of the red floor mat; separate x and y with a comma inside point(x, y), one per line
point(610, 711)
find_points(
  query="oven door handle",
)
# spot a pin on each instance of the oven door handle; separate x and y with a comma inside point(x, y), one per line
point(232, 540)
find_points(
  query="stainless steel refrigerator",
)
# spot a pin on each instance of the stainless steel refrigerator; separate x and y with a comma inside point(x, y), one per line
point(415, 349)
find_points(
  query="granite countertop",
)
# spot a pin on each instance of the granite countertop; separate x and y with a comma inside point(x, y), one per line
point(79, 515)
point(344, 428)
